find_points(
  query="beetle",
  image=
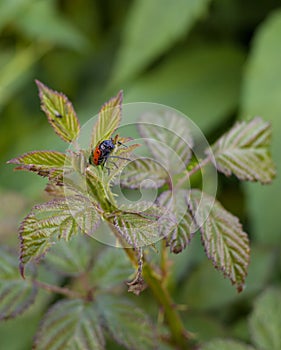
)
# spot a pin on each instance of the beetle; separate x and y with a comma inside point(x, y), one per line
point(103, 151)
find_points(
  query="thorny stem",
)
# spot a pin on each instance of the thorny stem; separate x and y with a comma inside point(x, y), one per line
point(197, 167)
point(59, 290)
point(163, 261)
point(179, 335)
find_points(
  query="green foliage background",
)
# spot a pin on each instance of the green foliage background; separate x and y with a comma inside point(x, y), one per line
point(216, 61)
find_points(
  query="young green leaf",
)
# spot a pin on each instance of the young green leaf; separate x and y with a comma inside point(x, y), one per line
point(145, 173)
point(144, 224)
point(126, 323)
point(70, 324)
point(112, 268)
point(168, 138)
point(116, 165)
point(244, 151)
point(265, 321)
point(54, 190)
point(60, 112)
point(49, 164)
point(96, 188)
point(54, 220)
point(136, 230)
point(181, 236)
point(16, 294)
point(225, 243)
point(108, 120)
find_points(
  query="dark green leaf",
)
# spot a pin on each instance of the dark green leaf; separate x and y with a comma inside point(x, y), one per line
point(39, 15)
point(203, 82)
point(111, 268)
point(17, 70)
point(152, 27)
point(16, 294)
point(168, 138)
point(49, 164)
point(108, 119)
point(218, 293)
point(244, 151)
point(60, 112)
point(11, 9)
point(176, 202)
point(225, 243)
point(265, 321)
point(261, 96)
point(143, 173)
point(225, 344)
point(54, 220)
point(71, 324)
point(70, 258)
point(127, 324)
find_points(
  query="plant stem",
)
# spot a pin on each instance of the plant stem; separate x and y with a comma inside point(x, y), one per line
point(59, 290)
point(193, 171)
point(163, 261)
point(179, 335)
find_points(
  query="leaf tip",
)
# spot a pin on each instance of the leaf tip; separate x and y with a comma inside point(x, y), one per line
point(38, 83)
point(21, 268)
point(240, 288)
point(120, 95)
point(40, 87)
point(13, 161)
point(137, 285)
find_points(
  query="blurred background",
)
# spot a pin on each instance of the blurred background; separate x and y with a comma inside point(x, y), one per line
point(217, 61)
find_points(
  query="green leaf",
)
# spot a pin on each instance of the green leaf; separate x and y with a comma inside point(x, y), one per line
point(70, 324)
point(16, 294)
point(176, 202)
point(112, 268)
point(41, 14)
point(168, 137)
point(225, 344)
point(261, 96)
point(136, 230)
point(127, 324)
point(116, 165)
point(151, 28)
point(94, 181)
point(143, 173)
point(60, 112)
point(70, 258)
point(143, 224)
point(49, 164)
point(218, 293)
point(10, 9)
point(54, 220)
point(17, 70)
point(265, 321)
point(244, 151)
point(225, 243)
point(202, 81)
point(108, 119)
